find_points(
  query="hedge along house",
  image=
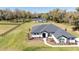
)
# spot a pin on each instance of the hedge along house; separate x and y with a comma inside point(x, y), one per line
point(52, 31)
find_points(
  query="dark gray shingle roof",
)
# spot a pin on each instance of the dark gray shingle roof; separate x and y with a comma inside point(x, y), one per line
point(37, 28)
point(50, 28)
point(61, 32)
point(44, 27)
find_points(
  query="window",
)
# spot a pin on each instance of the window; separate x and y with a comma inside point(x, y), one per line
point(34, 33)
point(49, 34)
point(37, 33)
point(62, 39)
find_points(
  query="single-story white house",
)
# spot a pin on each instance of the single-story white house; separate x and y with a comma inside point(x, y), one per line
point(52, 31)
point(77, 41)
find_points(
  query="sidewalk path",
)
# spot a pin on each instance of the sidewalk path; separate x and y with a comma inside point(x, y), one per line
point(45, 42)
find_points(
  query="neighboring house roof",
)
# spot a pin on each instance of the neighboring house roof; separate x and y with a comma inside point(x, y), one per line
point(39, 19)
point(50, 28)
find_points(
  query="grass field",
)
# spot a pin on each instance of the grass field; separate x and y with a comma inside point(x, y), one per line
point(4, 28)
point(17, 40)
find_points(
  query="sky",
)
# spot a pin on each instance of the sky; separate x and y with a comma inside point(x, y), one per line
point(39, 9)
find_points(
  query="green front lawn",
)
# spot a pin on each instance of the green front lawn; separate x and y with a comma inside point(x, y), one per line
point(17, 39)
point(5, 28)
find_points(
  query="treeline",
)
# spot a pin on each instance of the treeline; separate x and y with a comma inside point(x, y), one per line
point(14, 15)
point(56, 15)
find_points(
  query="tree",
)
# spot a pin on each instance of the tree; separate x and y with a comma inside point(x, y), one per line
point(77, 9)
point(57, 15)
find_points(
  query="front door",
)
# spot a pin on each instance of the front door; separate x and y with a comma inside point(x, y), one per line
point(44, 35)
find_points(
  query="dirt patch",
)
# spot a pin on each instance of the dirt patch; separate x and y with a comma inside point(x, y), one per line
point(35, 42)
point(77, 32)
point(51, 41)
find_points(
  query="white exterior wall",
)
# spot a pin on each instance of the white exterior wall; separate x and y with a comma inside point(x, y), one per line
point(52, 36)
point(77, 39)
point(49, 37)
point(78, 43)
point(72, 41)
point(65, 39)
point(56, 40)
point(40, 35)
point(45, 34)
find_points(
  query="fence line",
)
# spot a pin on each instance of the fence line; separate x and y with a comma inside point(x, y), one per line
point(10, 30)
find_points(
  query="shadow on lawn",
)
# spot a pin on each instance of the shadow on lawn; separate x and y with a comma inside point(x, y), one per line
point(51, 49)
point(33, 48)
